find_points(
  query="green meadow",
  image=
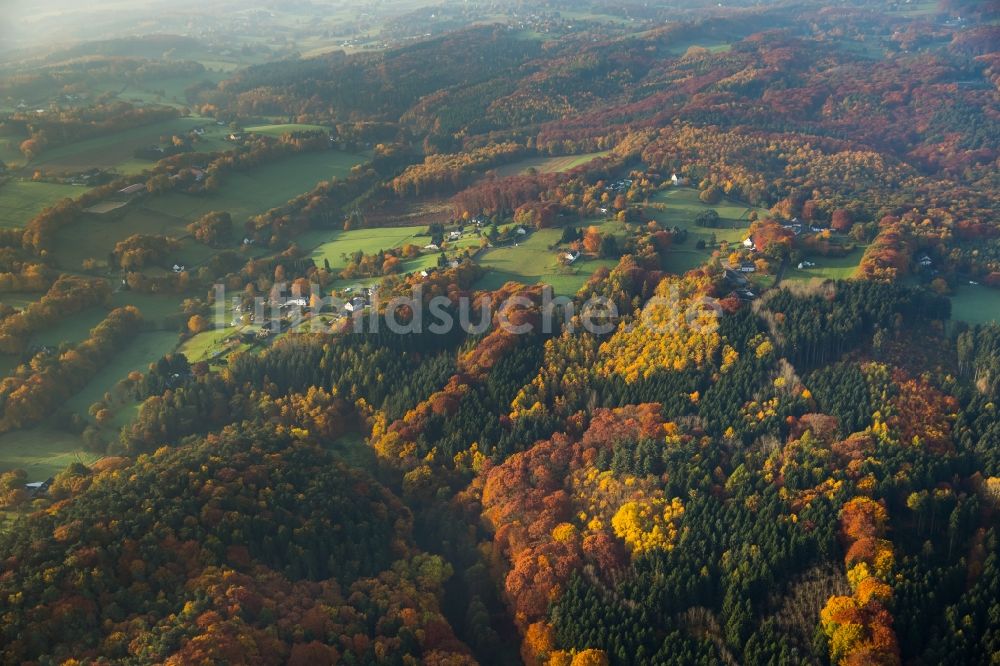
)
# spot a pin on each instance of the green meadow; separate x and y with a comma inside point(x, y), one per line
point(278, 130)
point(10, 154)
point(976, 304)
point(547, 164)
point(242, 194)
point(115, 151)
point(247, 193)
point(147, 347)
point(71, 329)
point(21, 200)
point(827, 268)
point(682, 207)
point(331, 246)
point(533, 262)
point(42, 451)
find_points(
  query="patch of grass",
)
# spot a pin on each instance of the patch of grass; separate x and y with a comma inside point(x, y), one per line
point(21, 200)
point(146, 348)
point(828, 268)
point(72, 329)
point(10, 153)
point(713, 46)
point(976, 304)
point(331, 245)
point(682, 207)
point(242, 195)
point(42, 451)
point(94, 236)
point(533, 262)
point(278, 130)
point(200, 347)
point(155, 308)
point(548, 164)
point(353, 449)
point(116, 150)
point(250, 192)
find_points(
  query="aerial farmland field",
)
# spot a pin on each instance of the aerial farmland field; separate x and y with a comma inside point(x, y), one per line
point(21, 200)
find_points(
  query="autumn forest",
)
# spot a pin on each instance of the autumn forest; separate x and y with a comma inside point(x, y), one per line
point(781, 445)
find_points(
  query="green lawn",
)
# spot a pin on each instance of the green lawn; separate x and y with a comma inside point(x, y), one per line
point(278, 130)
point(116, 150)
point(10, 153)
point(72, 329)
point(548, 164)
point(94, 236)
point(682, 206)
point(532, 262)
point(42, 451)
point(242, 195)
point(155, 308)
point(247, 193)
point(146, 348)
point(828, 268)
point(22, 200)
point(165, 90)
point(200, 347)
point(331, 245)
point(976, 304)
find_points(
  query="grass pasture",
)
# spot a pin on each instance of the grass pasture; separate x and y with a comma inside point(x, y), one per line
point(682, 207)
point(976, 304)
point(94, 236)
point(278, 130)
point(331, 245)
point(548, 164)
point(827, 268)
point(10, 154)
point(72, 329)
point(22, 200)
point(147, 347)
point(250, 192)
point(42, 451)
point(115, 151)
point(200, 347)
point(242, 195)
point(532, 262)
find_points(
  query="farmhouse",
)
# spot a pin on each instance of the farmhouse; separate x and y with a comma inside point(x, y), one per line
point(570, 257)
point(356, 304)
point(38, 487)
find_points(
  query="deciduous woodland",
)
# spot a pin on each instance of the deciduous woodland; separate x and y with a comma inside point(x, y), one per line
point(785, 449)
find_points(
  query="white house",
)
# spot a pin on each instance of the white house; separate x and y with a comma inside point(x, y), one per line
point(520, 231)
point(748, 243)
point(570, 257)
